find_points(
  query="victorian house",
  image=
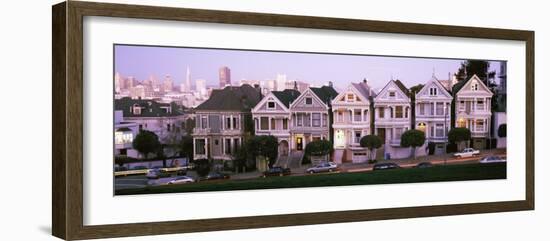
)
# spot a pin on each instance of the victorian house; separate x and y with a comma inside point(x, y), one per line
point(272, 117)
point(392, 114)
point(473, 109)
point(310, 116)
point(352, 120)
point(432, 113)
point(221, 122)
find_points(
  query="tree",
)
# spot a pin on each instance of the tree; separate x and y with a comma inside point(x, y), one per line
point(318, 148)
point(413, 138)
point(502, 130)
point(459, 135)
point(186, 147)
point(189, 125)
point(146, 142)
point(414, 90)
point(265, 146)
point(202, 167)
point(372, 142)
point(478, 67)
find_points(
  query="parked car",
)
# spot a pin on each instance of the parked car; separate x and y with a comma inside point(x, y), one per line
point(276, 171)
point(157, 173)
point(182, 179)
point(424, 165)
point(323, 167)
point(385, 166)
point(467, 152)
point(492, 159)
point(215, 176)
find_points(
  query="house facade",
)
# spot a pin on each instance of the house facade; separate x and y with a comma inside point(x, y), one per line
point(392, 114)
point(432, 113)
point(352, 120)
point(166, 120)
point(221, 122)
point(272, 116)
point(310, 117)
point(473, 110)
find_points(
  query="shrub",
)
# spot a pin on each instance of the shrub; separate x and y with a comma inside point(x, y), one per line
point(451, 148)
point(202, 167)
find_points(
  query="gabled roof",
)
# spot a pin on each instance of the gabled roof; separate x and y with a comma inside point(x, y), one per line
point(325, 93)
point(232, 98)
point(363, 89)
point(438, 84)
point(402, 87)
point(149, 108)
point(286, 96)
point(460, 85)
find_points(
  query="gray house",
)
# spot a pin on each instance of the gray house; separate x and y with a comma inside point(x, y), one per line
point(221, 122)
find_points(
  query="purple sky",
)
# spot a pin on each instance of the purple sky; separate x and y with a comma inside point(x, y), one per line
point(316, 69)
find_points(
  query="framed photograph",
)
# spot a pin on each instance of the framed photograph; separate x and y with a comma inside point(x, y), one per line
point(171, 120)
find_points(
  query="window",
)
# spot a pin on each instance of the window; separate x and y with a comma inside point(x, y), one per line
point(309, 101)
point(439, 108)
point(480, 125)
point(474, 87)
point(391, 94)
point(398, 132)
point(136, 110)
point(480, 105)
point(439, 130)
point(168, 127)
point(357, 115)
point(299, 119)
point(340, 116)
point(462, 105)
point(351, 97)
point(204, 122)
point(366, 115)
point(307, 120)
point(357, 136)
point(399, 112)
point(271, 105)
point(235, 123)
point(381, 112)
point(421, 109)
point(227, 147)
point(236, 143)
point(433, 91)
point(285, 124)
point(200, 147)
point(316, 119)
point(273, 124)
point(264, 123)
point(228, 123)
point(325, 120)
point(140, 127)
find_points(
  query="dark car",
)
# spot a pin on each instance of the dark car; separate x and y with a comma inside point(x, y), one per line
point(157, 173)
point(215, 176)
point(139, 168)
point(385, 166)
point(424, 165)
point(276, 171)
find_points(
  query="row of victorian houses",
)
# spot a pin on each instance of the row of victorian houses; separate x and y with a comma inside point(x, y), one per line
point(298, 118)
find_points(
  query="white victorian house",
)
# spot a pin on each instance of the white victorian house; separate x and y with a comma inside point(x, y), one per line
point(352, 120)
point(392, 114)
point(432, 113)
point(473, 109)
point(272, 117)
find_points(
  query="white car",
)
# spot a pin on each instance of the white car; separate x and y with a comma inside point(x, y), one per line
point(492, 159)
point(467, 152)
point(323, 167)
point(183, 179)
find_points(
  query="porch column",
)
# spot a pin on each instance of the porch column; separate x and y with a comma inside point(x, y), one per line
point(194, 148)
point(206, 150)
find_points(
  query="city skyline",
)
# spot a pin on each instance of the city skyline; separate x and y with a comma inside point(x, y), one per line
point(182, 64)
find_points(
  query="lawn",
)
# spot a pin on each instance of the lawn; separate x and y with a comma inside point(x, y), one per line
point(404, 175)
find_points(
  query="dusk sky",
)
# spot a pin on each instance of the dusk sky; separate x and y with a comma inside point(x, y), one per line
point(317, 69)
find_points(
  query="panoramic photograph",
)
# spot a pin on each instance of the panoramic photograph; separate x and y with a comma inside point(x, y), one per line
point(190, 119)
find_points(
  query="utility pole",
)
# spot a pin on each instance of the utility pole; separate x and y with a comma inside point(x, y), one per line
point(446, 133)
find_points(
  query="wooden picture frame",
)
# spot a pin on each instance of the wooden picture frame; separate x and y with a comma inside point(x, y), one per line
point(67, 154)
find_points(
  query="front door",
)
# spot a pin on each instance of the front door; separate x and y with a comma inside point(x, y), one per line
point(299, 143)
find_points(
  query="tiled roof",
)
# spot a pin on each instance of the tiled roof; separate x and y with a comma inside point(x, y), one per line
point(232, 98)
point(149, 108)
point(286, 96)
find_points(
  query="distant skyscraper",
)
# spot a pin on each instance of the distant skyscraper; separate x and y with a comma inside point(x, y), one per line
point(168, 84)
point(281, 82)
point(200, 86)
point(188, 80)
point(225, 76)
point(118, 82)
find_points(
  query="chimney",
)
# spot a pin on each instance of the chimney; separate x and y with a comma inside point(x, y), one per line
point(330, 83)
